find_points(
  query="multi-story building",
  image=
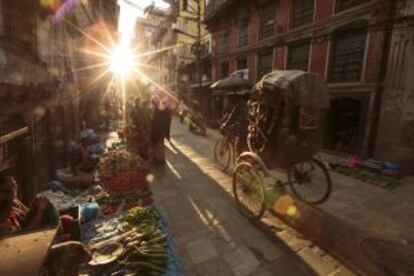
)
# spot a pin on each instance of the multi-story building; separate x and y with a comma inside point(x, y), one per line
point(395, 135)
point(193, 53)
point(344, 41)
point(184, 66)
point(36, 124)
point(163, 41)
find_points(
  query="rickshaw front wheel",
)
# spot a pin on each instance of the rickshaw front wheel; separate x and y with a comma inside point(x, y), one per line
point(223, 153)
point(310, 181)
point(248, 189)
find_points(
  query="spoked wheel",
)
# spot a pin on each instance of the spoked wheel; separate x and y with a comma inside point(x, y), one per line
point(248, 189)
point(310, 181)
point(223, 153)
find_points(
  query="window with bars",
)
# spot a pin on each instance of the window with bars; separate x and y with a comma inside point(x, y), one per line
point(264, 64)
point(302, 12)
point(19, 25)
point(298, 56)
point(225, 41)
point(342, 5)
point(267, 21)
point(348, 48)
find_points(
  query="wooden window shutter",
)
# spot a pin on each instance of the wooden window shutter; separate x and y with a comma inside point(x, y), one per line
point(302, 12)
point(298, 56)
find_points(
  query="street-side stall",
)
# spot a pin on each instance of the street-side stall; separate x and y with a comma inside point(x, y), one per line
point(112, 216)
point(117, 219)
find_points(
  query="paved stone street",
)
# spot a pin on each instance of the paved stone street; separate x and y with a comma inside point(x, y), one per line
point(355, 212)
point(212, 236)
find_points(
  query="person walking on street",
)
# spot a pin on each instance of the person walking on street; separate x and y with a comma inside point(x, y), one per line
point(159, 129)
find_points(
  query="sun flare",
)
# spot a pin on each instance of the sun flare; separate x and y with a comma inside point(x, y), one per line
point(122, 60)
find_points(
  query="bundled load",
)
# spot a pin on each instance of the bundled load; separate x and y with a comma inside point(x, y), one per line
point(115, 162)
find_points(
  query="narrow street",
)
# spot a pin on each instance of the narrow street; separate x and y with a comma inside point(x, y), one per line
point(290, 129)
point(212, 236)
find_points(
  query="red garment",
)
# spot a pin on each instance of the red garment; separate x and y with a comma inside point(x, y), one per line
point(12, 217)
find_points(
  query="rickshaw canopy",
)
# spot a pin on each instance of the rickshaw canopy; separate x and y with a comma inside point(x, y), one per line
point(298, 87)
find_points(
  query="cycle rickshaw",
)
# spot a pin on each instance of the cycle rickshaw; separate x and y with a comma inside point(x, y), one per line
point(286, 114)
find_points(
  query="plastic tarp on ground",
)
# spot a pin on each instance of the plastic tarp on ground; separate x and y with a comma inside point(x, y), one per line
point(299, 87)
point(104, 228)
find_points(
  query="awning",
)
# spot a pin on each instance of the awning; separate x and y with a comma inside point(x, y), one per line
point(232, 83)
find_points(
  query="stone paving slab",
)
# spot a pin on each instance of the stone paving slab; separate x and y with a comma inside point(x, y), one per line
point(242, 261)
point(202, 250)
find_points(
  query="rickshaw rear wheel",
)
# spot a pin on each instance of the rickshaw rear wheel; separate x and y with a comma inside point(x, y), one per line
point(310, 181)
point(248, 189)
point(223, 153)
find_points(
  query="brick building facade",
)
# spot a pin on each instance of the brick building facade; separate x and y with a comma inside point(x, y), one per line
point(344, 41)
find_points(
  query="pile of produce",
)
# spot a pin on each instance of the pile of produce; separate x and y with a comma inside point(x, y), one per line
point(119, 161)
point(126, 182)
point(367, 175)
point(131, 200)
point(146, 246)
point(376, 172)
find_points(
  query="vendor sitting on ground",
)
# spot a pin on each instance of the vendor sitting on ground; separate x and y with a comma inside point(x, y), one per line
point(63, 258)
point(15, 216)
point(81, 161)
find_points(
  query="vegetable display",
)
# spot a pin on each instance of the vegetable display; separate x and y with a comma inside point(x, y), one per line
point(146, 247)
point(126, 182)
point(119, 161)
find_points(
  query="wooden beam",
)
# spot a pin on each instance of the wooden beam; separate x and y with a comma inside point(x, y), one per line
point(12, 135)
